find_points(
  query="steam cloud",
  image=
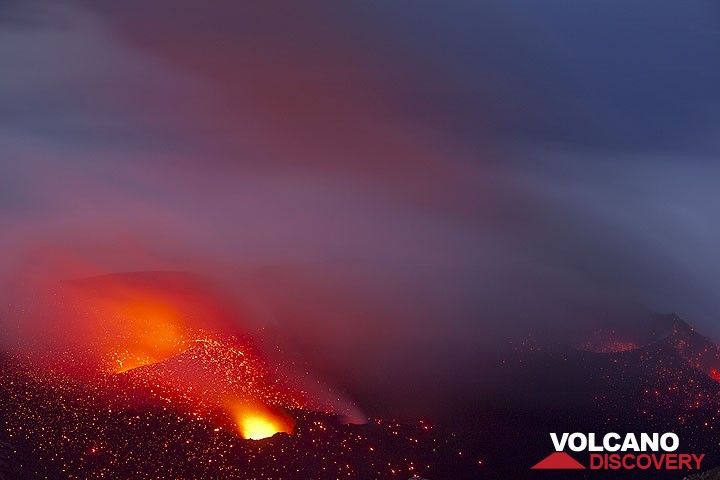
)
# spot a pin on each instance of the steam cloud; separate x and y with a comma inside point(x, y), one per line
point(395, 207)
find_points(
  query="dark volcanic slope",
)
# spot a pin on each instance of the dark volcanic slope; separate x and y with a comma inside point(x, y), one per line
point(666, 385)
point(156, 375)
point(114, 427)
point(58, 428)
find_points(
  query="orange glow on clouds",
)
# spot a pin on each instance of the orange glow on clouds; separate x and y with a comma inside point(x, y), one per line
point(127, 326)
point(152, 334)
point(130, 321)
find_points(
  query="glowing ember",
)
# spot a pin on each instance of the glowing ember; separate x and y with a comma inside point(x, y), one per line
point(616, 346)
point(604, 342)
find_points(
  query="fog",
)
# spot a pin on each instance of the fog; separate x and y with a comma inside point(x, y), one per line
point(397, 190)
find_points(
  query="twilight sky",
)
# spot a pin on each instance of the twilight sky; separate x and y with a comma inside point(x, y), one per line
point(381, 178)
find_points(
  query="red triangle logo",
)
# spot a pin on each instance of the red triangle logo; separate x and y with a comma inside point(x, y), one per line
point(558, 461)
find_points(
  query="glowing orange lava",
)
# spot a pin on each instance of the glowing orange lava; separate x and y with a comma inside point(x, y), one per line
point(151, 332)
point(255, 422)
